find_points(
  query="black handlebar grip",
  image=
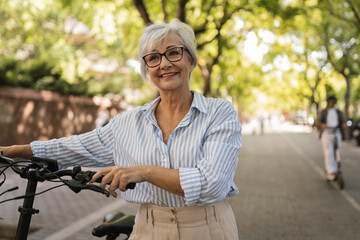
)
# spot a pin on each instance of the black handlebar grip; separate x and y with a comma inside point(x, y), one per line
point(128, 186)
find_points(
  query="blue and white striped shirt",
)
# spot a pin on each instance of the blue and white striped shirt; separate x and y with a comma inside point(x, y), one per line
point(204, 147)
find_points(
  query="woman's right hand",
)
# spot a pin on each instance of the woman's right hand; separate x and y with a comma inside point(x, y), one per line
point(119, 177)
point(21, 151)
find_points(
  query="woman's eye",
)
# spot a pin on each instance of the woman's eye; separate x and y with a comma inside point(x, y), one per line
point(153, 57)
point(174, 52)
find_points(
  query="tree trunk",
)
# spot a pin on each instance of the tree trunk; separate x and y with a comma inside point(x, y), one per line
point(347, 96)
point(139, 4)
point(206, 74)
point(180, 14)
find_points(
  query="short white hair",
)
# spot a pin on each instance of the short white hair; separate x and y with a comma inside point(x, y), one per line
point(154, 34)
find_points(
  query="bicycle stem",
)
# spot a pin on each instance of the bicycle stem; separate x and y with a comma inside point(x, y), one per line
point(27, 210)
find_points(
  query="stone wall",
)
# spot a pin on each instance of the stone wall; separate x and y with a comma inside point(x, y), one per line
point(27, 115)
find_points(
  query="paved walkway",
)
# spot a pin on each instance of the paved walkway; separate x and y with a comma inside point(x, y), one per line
point(283, 194)
point(63, 214)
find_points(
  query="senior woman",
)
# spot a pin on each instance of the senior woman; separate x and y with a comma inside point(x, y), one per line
point(181, 148)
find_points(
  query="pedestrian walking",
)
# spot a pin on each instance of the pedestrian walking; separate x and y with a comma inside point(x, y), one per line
point(331, 123)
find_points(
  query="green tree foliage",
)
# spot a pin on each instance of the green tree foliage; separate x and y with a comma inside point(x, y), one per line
point(268, 55)
point(341, 34)
point(72, 47)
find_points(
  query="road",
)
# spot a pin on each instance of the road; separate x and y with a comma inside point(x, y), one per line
point(283, 195)
point(283, 192)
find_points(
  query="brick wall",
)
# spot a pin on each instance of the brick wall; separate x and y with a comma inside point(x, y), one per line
point(27, 115)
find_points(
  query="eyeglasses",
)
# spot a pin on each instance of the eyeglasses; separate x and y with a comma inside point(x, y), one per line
point(173, 54)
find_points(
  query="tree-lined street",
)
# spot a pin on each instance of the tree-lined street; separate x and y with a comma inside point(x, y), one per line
point(283, 194)
point(275, 61)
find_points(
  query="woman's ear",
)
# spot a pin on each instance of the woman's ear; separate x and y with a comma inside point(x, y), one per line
point(191, 62)
point(191, 59)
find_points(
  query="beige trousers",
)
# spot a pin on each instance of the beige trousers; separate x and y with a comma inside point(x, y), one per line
point(214, 222)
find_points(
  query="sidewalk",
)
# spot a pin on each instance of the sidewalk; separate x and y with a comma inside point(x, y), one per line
point(283, 192)
point(351, 144)
point(63, 214)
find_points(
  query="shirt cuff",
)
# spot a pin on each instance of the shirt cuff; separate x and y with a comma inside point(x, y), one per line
point(190, 181)
point(38, 148)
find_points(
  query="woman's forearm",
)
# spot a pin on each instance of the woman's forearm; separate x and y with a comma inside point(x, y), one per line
point(164, 178)
point(21, 151)
point(119, 177)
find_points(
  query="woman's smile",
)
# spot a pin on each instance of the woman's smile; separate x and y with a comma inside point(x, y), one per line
point(164, 75)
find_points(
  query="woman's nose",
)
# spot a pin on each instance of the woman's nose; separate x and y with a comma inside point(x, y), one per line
point(165, 63)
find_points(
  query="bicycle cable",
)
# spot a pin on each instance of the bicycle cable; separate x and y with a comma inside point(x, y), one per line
point(9, 190)
point(30, 195)
point(43, 178)
point(2, 172)
point(27, 161)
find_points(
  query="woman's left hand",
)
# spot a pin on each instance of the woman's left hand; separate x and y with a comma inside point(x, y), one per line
point(119, 177)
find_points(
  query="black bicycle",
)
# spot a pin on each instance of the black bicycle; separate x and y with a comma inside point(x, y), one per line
point(115, 224)
point(41, 169)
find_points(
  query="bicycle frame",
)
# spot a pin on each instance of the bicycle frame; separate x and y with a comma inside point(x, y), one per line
point(41, 169)
point(30, 171)
point(27, 210)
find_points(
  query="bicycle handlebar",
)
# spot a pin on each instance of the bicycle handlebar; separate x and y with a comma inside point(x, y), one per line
point(47, 169)
point(42, 169)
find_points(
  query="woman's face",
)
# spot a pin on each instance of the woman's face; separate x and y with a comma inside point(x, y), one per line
point(171, 76)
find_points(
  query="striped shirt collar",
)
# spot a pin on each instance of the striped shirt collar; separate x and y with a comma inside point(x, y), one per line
point(199, 103)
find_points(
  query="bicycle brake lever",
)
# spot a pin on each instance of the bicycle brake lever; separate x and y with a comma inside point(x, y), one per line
point(76, 187)
point(97, 189)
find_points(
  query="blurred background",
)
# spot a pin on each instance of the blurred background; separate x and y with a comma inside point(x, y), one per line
point(68, 66)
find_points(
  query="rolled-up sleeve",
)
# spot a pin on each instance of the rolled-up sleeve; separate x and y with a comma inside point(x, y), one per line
point(190, 179)
point(91, 149)
point(212, 179)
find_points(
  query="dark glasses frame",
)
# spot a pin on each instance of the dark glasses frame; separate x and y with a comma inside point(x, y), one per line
point(164, 54)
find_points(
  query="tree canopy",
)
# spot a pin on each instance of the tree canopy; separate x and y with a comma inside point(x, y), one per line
point(263, 55)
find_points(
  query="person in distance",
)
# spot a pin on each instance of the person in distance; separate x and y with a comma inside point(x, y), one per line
point(331, 123)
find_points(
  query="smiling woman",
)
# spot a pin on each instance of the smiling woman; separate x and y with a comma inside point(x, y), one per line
point(181, 148)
